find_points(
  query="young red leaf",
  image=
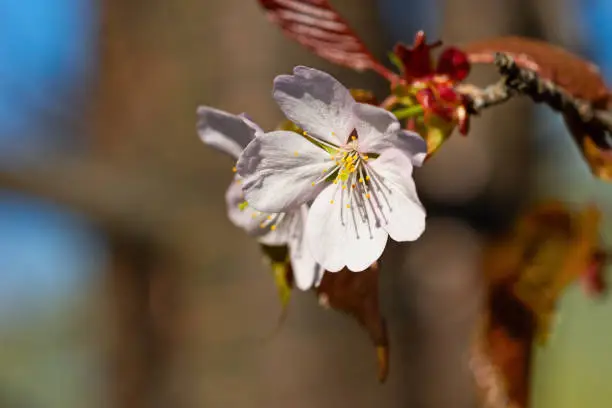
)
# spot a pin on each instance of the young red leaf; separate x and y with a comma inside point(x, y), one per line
point(318, 27)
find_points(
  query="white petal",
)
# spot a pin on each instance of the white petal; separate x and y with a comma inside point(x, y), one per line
point(379, 130)
point(250, 220)
point(395, 194)
point(338, 236)
point(281, 234)
point(246, 119)
point(305, 269)
point(225, 132)
point(319, 274)
point(415, 146)
point(278, 169)
point(317, 103)
point(374, 126)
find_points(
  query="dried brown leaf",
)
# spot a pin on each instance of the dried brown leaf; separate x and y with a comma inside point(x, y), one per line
point(588, 139)
point(357, 295)
point(527, 270)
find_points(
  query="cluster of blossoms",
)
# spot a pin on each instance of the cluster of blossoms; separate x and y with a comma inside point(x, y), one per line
point(334, 191)
point(426, 93)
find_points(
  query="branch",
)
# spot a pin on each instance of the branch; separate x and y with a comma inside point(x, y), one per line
point(521, 81)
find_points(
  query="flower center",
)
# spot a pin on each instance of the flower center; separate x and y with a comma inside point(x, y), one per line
point(349, 161)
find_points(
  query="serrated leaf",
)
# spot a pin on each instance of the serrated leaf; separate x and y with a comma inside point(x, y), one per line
point(317, 26)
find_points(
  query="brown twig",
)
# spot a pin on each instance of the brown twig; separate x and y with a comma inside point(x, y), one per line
point(521, 81)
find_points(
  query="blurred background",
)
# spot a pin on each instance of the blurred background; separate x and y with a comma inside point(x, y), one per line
point(122, 283)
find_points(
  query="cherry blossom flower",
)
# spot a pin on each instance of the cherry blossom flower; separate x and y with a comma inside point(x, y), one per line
point(353, 161)
point(230, 134)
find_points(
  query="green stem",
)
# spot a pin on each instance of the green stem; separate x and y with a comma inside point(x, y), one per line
point(408, 112)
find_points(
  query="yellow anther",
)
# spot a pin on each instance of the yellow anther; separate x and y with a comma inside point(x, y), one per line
point(269, 217)
point(344, 186)
point(368, 195)
point(353, 137)
point(305, 133)
point(331, 201)
point(348, 206)
point(353, 185)
point(295, 153)
point(333, 133)
point(262, 225)
point(336, 181)
point(273, 227)
point(367, 178)
point(361, 179)
point(313, 183)
point(234, 169)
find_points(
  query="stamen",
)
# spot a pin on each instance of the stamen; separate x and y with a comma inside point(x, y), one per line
point(234, 169)
point(321, 142)
point(296, 154)
point(331, 201)
point(273, 227)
